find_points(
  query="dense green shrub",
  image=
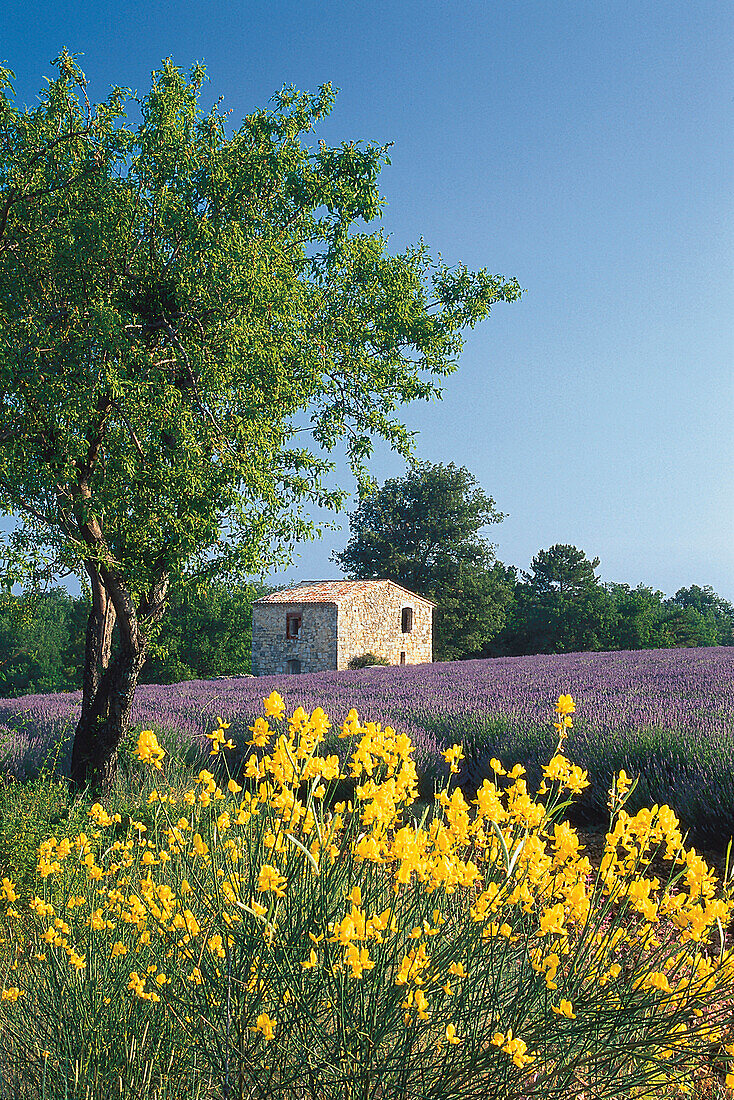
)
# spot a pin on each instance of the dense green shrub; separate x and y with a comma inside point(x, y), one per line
point(366, 660)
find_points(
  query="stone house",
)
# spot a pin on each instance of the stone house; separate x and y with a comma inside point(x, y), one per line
point(321, 625)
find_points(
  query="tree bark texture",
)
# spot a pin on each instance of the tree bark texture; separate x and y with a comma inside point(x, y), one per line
point(110, 681)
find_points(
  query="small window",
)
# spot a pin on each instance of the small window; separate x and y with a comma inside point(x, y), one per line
point(293, 667)
point(402, 657)
point(407, 620)
point(293, 624)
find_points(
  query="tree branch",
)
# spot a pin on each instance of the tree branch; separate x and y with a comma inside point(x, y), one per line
point(118, 408)
point(173, 336)
point(94, 438)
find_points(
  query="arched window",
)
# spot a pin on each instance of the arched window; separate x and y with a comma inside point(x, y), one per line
point(407, 620)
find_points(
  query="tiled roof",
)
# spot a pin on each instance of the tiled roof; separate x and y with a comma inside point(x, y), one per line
point(331, 592)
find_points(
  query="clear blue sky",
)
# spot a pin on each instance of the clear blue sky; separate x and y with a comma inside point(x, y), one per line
point(583, 147)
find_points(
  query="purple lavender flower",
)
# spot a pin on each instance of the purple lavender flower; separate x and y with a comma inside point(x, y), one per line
point(665, 715)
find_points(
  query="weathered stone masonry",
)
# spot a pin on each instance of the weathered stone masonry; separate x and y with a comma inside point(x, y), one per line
point(321, 626)
point(315, 648)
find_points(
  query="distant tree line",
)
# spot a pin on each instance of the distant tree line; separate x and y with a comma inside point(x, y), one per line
point(42, 639)
point(561, 606)
point(422, 531)
point(558, 607)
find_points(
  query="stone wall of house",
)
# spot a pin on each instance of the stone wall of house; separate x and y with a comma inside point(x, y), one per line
point(315, 647)
point(372, 623)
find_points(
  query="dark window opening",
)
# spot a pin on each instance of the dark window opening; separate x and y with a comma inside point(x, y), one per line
point(407, 620)
point(293, 667)
point(402, 657)
point(293, 624)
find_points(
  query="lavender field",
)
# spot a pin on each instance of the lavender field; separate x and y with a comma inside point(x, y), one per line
point(665, 715)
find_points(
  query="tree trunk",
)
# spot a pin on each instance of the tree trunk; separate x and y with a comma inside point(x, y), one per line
point(100, 731)
point(99, 639)
point(110, 682)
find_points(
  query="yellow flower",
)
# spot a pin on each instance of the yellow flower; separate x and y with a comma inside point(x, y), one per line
point(457, 969)
point(350, 727)
point(41, 908)
point(11, 994)
point(358, 959)
point(552, 920)
point(261, 733)
point(136, 984)
point(421, 1003)
point(658, 980)
point(200, 847)
point(97, 921)
point(565, 705)
point(451, 1036)
point(233, 787)
point(216, 946)
point(516, 1048)
point(564, 1009)
point(311, 961)
point(270, 878)
point(8, 890)
point(299, 719)
point(274, 705)
point(452, 756)
point(149, 751)
point(265, 1024)
point(78, 961)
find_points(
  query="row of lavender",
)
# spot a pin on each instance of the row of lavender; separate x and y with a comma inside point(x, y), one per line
point(665, 715)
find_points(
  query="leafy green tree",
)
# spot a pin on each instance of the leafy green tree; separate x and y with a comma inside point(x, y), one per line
point(712, 621)
point(561, 606)
point(177, 302)
point(637, 619)
point(422, 531)
point(472, 610)
point(207, 635)
point(38, 648)
point(42, 639)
